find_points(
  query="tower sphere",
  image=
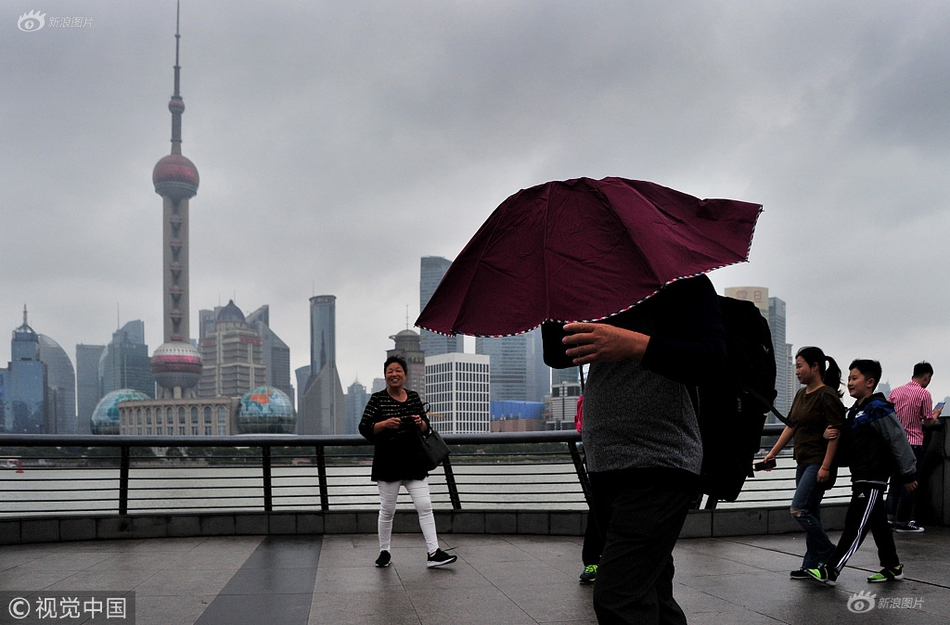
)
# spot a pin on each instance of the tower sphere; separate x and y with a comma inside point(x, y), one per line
point(176, 105)
point(176, 363)
point(176, 177)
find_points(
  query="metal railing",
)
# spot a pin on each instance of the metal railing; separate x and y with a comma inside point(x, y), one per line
point(81, 475)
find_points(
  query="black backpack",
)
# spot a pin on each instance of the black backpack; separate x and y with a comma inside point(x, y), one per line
point(731, 413)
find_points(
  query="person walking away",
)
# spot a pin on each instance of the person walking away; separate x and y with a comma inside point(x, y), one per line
point(642, 440)
point(914, 408)
point(391, 421)
point(593, 537)
point(875, 446)
point(816, 407)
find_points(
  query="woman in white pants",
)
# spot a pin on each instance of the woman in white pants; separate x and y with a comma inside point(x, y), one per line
point(391, 421)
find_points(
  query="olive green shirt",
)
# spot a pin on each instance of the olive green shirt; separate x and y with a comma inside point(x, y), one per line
point(811, 413)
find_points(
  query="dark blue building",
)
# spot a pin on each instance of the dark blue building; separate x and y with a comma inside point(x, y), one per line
point(24, 394)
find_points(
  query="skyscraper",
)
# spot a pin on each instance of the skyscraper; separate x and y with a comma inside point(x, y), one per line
point(276, 352)
point(124, 362)
point(783, 358)
point(773, 309)
point(87, 384)
point(231, 356)
point(176, 364)
point(509, 365)
point(432, 270)
point(61, 380)
point(356, 400)
point(458, 387)
point(322, 405)
point(24, 393)
point(406, 346)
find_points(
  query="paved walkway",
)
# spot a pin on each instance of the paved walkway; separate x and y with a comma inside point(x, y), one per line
point(295, 580)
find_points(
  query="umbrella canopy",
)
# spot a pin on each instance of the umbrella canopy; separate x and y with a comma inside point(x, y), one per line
point(583, 250)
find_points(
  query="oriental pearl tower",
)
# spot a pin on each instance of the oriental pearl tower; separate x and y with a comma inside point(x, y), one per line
point(176, 364)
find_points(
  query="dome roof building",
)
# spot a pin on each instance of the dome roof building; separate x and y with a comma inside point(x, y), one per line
point(105, 418)
point(266, 410)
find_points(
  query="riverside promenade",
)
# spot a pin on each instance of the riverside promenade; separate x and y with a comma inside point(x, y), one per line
point(510, 579)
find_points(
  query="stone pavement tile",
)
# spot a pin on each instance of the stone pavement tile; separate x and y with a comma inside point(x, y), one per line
point(181, 582)
point(104, 579)
point(19, 580)
point(170, 610)
point(294, 609)
point(553, 603)
point(334, 608)
point(468, 605)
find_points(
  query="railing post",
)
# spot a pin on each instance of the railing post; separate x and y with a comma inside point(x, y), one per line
point(450, 483)
point(322, 478)
point(124, 463)
point(268, 489)
point(581, 473)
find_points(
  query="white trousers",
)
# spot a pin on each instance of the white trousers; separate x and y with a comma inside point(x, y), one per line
point(419, 491)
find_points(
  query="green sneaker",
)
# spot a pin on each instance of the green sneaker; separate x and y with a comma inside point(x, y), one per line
point(887, 575)
point(822, 574)
point(589, 576)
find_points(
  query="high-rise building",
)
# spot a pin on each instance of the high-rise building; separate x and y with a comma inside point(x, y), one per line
point(24, 389)
point(231, 356)
point(124, 362)
point(509, 366)
point(406, 346)
point(432, 270)
point(356, 400)
point(276, 352)
point(458, 388)
point(61, 380)
point(773, 309)
point(783, 358)
point(87, 384)
point(322, 405)
point(539, 374)
point(176, 364)
point(569, 375)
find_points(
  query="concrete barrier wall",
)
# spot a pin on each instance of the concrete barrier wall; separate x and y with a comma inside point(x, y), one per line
point(699, 524)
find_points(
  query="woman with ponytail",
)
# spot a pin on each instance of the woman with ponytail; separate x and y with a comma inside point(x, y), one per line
point(816, 406)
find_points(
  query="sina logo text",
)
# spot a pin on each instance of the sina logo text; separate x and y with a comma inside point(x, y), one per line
point(31, 22)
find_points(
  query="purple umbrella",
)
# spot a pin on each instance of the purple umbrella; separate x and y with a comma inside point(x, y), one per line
point(583, 250)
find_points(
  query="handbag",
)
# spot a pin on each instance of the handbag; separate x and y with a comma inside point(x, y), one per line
point(434, 449)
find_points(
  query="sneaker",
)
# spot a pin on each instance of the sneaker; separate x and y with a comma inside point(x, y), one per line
point(589, 576)
point(440, 558)
point(822, 574)
point(383, 560)
point(887, 575)
point(799, 574)
point(910, 527)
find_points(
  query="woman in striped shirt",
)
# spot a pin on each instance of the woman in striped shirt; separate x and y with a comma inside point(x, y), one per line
point(392, 421)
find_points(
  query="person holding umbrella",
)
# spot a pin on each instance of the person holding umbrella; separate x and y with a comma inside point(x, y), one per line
point(642, 439)
point(390, 421)
point(613, 270)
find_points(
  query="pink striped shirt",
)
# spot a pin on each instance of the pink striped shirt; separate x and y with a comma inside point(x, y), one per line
point(913, 404)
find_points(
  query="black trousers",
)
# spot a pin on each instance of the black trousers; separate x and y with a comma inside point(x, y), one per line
point(642, 520)
point(865, 513)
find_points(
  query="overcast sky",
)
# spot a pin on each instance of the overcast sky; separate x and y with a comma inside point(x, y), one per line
point(338, 142)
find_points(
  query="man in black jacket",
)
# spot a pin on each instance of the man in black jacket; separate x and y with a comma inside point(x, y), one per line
point(875, 445)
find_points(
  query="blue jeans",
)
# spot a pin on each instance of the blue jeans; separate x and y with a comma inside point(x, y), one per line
point(807, 499)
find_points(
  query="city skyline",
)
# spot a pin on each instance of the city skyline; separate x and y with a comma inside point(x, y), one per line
point(356, 139)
